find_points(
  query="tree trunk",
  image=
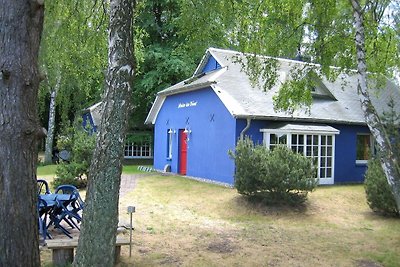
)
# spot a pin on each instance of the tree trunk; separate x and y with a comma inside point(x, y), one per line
point(388, 159)
point(48, 157)
point(100, 218)
point(21, 23)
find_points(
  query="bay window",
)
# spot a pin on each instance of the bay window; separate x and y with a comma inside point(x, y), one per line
point(313, 141)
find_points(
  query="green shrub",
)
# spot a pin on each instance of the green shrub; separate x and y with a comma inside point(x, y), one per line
point(379, 195)
point(277, 175)
point(81, 145)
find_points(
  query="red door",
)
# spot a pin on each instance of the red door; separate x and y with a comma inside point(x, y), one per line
point(182, 152)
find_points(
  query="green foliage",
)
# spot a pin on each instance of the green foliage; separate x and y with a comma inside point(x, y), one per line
point(164, 58)
point(81, 146)
point(74, 47)
point(391, 121)
point(139, 137)
point(379, 195)
point(278, 175)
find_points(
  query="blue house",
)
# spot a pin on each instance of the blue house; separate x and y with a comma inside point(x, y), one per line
point(138, 144)
point(197, 121)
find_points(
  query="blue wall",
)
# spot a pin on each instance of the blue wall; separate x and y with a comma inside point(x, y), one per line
point(213, 133)
point(346, 169)
point(88, 123)
point(212, 64)
point(254, 131)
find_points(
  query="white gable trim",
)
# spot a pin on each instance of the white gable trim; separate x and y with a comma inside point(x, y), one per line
point(228, 101)
point(155, 109)
point(302, 129)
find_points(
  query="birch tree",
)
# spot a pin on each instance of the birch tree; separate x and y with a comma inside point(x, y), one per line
point(21, 23)
point(48, 156)
point(73, 54)
point(389, 160)
point(101, 211)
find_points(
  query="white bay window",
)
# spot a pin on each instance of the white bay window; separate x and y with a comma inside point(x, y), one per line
point(313, 141)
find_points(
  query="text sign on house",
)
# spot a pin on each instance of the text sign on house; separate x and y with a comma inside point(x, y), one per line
point(187, 104)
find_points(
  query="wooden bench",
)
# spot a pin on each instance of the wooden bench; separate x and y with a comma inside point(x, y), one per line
point(63, 249)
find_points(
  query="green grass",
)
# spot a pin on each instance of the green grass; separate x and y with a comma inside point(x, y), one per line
point(131, 169)
point(183, 222)
point(190, 223)
point(47, 170)
point(50, 170)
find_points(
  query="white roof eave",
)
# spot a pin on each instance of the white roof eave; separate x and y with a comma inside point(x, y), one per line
point(155, 109)
point(302, 129)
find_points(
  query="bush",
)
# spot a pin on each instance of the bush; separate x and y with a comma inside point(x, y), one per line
point(379, 195)
point(81, 145)
point(277, 175)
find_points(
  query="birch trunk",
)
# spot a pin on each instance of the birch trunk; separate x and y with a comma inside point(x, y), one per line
point(21, 23)
point(388, 159)
point(100, 218)
point(48, 157)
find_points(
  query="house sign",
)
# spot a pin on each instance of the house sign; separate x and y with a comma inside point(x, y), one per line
point(187, 104)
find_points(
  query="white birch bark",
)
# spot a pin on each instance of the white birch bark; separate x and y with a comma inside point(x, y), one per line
point(388, 159)
point(52, 117)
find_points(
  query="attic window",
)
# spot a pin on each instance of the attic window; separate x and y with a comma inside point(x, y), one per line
point(320, 91)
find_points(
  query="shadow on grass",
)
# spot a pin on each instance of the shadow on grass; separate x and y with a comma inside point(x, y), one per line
point(272, 205)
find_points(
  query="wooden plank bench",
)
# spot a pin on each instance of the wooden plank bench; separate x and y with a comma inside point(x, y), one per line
point(63, 249)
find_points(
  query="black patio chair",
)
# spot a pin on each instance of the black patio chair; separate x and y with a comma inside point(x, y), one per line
point(43, 187)
point(43, 210)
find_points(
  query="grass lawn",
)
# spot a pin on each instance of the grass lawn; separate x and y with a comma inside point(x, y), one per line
point(181, 222)
point(188, 223)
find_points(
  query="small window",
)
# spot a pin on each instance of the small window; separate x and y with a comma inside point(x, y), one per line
point(363, 148)
point(169, 143)
point(277, 139)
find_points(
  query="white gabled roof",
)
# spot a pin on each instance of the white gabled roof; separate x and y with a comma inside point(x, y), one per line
point(232, 85)
point(95, 112)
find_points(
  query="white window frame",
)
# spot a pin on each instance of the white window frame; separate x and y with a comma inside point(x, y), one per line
point(138, 150)
point(170, 133)
point(280, 132)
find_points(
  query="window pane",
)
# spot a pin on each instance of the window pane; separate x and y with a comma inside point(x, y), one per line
point(322, 173)
point(328, 172)
point(309, 139)
point(294, 139)
point(283, 139)
point(330, 140)
point(323, 161)
point(323, 151)
point(315, 139)
point(301, 139)
point(308, 151)
point(315, 151)
point(323, 140)
point(363, 147)
point(273, 139)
